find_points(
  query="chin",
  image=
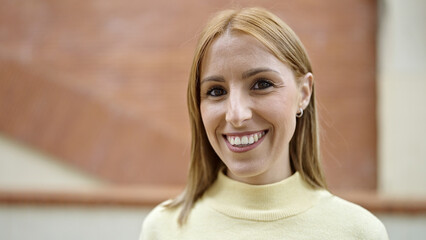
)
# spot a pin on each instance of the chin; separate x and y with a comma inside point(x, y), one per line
point(244, 170)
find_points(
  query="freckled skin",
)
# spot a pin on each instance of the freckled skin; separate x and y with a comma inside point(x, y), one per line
point(242, 107)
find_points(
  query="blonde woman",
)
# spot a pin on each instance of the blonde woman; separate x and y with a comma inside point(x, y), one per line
point(255, 170)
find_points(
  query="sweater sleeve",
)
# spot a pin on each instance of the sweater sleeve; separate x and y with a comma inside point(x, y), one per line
point(360, 222)
point(374, 229)
point(381, 233)
point(160, 223)
point(152, 223)
point(148, 228)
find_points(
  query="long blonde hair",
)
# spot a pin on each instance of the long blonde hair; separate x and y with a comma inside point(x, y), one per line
point(286, 46)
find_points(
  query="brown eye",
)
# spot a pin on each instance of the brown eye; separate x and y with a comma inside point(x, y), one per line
point(262, 84)
point(216, 92)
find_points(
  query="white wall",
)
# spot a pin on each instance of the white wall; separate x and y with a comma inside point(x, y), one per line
point(25, 168)
point(402, 97)
point(404, 227)
point(70, 222)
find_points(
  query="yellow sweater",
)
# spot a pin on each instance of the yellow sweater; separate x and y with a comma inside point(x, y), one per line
point(289, 209)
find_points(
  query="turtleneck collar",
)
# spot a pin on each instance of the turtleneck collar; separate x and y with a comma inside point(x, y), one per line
point(268, 202)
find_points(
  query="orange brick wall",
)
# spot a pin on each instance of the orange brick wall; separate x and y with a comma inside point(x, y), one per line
point(102, 84)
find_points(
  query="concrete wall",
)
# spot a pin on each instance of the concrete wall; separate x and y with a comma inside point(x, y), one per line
point(70, 222)
point(24, 168)
point(404, 226)
point(402, 97)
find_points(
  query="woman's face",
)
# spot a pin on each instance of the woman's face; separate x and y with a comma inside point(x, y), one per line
point(249, 101)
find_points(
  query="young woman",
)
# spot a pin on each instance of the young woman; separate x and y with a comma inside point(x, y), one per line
point(255, 170)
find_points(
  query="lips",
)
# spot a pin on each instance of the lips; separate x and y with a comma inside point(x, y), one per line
point(242, 142)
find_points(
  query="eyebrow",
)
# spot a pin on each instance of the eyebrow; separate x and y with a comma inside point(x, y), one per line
point(255, 71)
point(214, 78)
point(246, 74)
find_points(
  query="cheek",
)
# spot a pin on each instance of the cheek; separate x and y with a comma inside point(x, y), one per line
point(210, 118)
point(280, 113)
point(279, 106)
point(204, 115)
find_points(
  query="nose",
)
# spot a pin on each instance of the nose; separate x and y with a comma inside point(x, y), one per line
point(238, 109)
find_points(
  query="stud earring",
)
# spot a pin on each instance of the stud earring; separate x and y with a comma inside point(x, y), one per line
point(299, 114)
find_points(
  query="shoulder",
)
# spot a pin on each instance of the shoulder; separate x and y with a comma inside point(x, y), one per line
point(353, 218)
point(158, 221)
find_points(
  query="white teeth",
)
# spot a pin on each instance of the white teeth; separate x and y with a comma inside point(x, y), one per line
point(245, 140)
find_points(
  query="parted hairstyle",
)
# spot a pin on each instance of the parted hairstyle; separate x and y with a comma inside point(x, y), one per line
point(286, 46)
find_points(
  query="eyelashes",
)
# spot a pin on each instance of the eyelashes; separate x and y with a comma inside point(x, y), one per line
point(259, 84)
point(262, 84)
point(216, 92)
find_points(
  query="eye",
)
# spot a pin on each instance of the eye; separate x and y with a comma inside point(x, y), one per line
point(216, 92)
point(262, 84)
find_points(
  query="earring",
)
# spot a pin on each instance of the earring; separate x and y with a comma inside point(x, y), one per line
point(300, 114)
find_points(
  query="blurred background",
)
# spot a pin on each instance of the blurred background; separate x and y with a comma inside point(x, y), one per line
point(93, 121)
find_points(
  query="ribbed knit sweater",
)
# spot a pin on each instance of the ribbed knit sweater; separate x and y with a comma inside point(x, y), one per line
point(289, 209)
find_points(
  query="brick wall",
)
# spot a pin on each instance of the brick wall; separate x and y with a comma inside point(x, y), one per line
point(102, 85)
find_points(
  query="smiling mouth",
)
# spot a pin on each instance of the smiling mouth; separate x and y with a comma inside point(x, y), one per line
point(242, 141)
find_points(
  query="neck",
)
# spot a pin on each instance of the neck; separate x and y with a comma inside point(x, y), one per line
point(275, 173)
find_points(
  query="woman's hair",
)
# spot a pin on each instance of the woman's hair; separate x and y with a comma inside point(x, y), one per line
point(286, 46)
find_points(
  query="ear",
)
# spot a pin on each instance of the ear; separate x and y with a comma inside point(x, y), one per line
point(305, 89)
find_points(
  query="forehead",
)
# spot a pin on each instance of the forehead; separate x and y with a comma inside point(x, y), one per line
point(237, 50)
point(236, 40)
